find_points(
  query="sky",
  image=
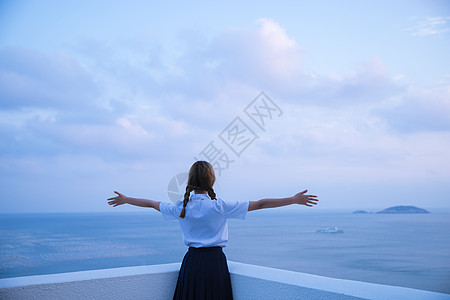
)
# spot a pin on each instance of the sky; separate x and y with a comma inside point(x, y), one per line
point(348, 99)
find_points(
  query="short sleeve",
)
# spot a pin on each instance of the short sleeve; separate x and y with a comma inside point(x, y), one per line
point(169, 211)
point(234, 209)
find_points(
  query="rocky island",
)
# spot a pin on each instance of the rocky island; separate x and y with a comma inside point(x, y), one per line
point(403, 210)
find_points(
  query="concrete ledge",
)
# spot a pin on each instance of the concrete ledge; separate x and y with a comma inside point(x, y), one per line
point(143, 282)
point(257, 282)
point(158, 282)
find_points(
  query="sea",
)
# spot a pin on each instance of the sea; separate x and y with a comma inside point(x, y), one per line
point(409, 250)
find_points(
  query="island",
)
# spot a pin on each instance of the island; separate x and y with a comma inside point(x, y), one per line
point(403, 210)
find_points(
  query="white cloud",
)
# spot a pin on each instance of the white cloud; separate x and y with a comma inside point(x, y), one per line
point(30, 78)
point(266, 58)
point(419, 110)
point(429, 26)
point(258, 57)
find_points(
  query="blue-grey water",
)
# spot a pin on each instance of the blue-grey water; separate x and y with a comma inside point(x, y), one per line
point(403, 250)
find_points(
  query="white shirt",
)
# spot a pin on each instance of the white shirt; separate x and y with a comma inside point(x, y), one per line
point(205, 223)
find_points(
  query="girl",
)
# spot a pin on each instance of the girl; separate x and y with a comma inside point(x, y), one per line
point(203, 220)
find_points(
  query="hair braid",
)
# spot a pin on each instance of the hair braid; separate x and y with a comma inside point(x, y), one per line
point(185, 201)
point(211, 193)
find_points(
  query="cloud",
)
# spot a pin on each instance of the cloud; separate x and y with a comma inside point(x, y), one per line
point(92, 93)
point(259, 56)
point(99, 109)
point(119, 100)
point(370, 83)
point(420, 110)
point(266, 58)
point(30, 78)
point(57, 103)
point(429, 26)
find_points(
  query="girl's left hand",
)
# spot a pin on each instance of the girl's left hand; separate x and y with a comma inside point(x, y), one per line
point(118, 200)
point(308, 200)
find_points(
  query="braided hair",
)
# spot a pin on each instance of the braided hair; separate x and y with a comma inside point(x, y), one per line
point(201, 178)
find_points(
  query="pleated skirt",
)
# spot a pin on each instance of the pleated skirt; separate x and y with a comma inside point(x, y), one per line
point(204, 275)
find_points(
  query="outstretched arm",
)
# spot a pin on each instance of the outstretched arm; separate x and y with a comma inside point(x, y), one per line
point(300, 198)
point(122, 199)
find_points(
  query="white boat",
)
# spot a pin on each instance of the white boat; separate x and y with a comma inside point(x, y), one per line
point(329, 230)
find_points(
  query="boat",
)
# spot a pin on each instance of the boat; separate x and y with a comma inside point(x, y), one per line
point(329, 230)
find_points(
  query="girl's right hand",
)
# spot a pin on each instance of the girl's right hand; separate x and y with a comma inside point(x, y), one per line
point(118, 200)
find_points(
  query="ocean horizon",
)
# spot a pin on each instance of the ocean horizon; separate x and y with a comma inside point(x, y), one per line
point(410, 250)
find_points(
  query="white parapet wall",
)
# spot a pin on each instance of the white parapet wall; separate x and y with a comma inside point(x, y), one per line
point(142, 282)
point(158, 282)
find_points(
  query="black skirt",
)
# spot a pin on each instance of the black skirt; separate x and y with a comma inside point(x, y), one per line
point(204, 275)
